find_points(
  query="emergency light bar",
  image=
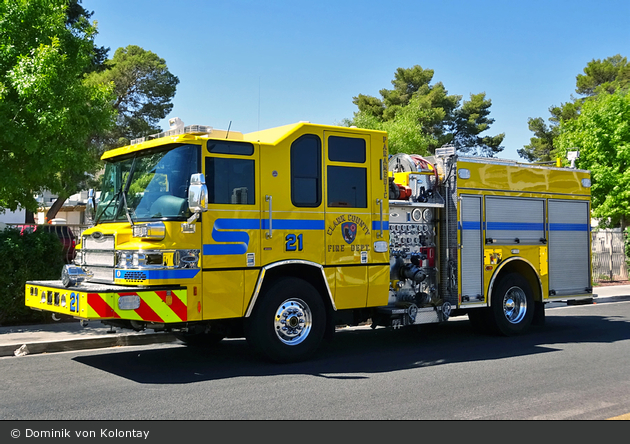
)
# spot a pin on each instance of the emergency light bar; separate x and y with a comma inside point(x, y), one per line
point(445, 151)
point(177, 128)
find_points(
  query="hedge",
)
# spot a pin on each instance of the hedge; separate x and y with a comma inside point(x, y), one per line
point(25, 257)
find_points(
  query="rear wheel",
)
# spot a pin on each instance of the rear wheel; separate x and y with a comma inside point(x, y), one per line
point(289, 321)
point(512, 304)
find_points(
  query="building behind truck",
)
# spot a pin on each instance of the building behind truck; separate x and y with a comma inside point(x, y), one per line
point(280, 235)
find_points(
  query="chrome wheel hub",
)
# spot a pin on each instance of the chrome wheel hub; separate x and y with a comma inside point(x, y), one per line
point(514, 305)
point(293, 321)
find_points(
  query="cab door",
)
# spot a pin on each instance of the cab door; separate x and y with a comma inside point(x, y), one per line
point(348, 215)
point(230, 227)
point(292, 216)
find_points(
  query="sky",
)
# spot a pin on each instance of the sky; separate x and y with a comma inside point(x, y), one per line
point(253, 65)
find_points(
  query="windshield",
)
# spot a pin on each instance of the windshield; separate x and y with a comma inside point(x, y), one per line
point(150, 185)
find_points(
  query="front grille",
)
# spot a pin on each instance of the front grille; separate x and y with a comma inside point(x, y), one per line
point(104, 243)
point(101, 274)
point(99, 258)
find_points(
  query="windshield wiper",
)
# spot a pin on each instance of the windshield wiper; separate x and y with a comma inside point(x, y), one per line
point(125, 189)
point(124, 194)
point(114, 198)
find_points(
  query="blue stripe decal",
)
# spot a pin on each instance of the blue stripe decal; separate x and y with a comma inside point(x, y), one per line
point(157, 274)
point(236, 242)
point(470, 225)
point(294, 224)
point(224, 249)
point(521, 226)
point(376, 225)
point(239, 239)
point(568, 227)
point(516, 226)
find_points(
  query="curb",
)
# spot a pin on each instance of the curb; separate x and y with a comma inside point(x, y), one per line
point(87, 343)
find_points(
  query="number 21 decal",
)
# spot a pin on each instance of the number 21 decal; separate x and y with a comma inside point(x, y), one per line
point(293, 242)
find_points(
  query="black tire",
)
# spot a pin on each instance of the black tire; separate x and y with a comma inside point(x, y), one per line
point(539, 314)
point(512, 305)
point(199, 339)
point(288, 322)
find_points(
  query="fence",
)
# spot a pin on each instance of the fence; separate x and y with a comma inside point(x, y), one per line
point(608, 255)
point(77, 230)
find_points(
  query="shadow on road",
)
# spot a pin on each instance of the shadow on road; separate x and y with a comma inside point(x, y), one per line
point(355, 354)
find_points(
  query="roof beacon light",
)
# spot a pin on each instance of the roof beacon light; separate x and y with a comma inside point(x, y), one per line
point(175, 123)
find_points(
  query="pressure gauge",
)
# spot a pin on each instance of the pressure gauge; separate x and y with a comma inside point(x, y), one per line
point(428, 215)
point(416, 215)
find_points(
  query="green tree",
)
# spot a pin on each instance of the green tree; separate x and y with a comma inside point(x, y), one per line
point(77, 14)
point(144, 89)
point(542, 147)
point(420, 116)
point(600, 77)
point(601, 133)
point(47, 109)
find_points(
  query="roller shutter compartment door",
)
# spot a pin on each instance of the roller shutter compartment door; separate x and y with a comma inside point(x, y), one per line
point(515, 220)
point(569, 255)
point(471, 253)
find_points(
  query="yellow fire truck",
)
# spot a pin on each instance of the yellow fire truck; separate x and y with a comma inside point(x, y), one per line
point(281, 235)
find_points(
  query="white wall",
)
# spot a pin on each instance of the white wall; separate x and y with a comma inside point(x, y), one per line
point(13, 217)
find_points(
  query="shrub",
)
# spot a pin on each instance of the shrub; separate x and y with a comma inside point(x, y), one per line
point(25, 257)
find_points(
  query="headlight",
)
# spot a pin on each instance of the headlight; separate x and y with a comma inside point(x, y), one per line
point(125, 259)
point(158, 259)
point(152, 230)
point(138, 260)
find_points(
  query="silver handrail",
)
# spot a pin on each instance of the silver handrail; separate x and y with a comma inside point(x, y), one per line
point(380, 203)
point(270, 232)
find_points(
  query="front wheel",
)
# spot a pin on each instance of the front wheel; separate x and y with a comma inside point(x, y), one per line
point(512, 304)
point(289, 321)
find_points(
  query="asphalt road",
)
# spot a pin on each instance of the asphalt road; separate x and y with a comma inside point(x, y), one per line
point(575, 367)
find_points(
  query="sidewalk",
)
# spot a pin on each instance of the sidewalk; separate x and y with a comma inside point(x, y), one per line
point(71, 335)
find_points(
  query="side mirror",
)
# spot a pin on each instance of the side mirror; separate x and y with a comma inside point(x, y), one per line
point(198, 194)
point(90, 206)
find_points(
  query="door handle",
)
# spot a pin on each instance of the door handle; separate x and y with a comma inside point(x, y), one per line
point(380, 204)
point(270, 231)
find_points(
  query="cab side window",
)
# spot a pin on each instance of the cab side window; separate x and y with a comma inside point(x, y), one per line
point(230, 181)
point(346, 185)
point(306, 171)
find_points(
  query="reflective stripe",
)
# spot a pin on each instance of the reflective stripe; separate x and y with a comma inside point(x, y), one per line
point(154, 306)
point(97, 305)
